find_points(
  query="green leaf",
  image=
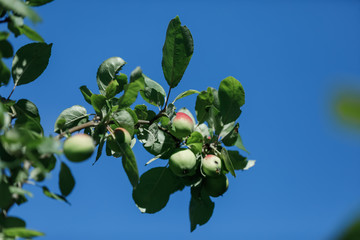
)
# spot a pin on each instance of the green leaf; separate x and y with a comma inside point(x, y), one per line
point(153, 92)
point(31, 33)
point(240, 144)
point(228, 163)
point(177, 52)
point(129, 164)
point(86, 93)
point(66, 180)
point(49, 145)
point(112, 89)
point(124, 119)
point(4, 74)
point(29, 62)
point(6, 49)
point(229, 134)
point(20, 191)
point(232, 97)
point(195, 142)
point(36, 3)
point(154, 190)
point(12, 222)
point(21, 8)
point(4, 35)
point(185, 94)
point(70, 117)
point(122, 81)
point(98, 102)
point(201, 207)
point(131, 90)
point(107, 71)
point(21, 232)
point(28, 116)
point(55, 196)
point(100, 148)
point(202, 106)
point(5, 194)
point(238, 161)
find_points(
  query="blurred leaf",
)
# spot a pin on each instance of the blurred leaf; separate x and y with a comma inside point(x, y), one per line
point(347, 107)
point(232, 97)
point(86, 93)
point(107, 71)
point(177, 51)
point(228, 163)
point(70, 117)
point(4, 35)
point(21, 232)
point(20, 191)
point(131, 90)
point(28, 116)
point(155, 187)
point(5, 194)
point(12, 222)
point(66, 180)
point(185, 94)
point(6, 49)
point(36, 3)
point(31, 33)
point(201, 207)
point(21, 8)
point(352, 232)
point(153, 92)
point(29, 62)
point(4, 74)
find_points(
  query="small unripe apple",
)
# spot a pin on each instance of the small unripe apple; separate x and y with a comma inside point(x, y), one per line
point(182, 125)
point(211, 165)
point(79, 147)
point(183, 162)
point(216, 186)
point(122, 135)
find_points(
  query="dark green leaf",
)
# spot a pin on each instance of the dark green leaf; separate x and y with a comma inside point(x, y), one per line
point(66, 180)
point(107, 71)
point(13, 28)
point(155, 187)
point(153, 92)
point(28, 116)
point(240, 144)
point(73, 116)
point(4, 74)
point(129, 164)
point(201, 207)
point(29, 62)
point(31, 33)
point(141, 111)
point(228, 163)
point(202, 106)
point(21, 8)
point(131, 90)
point(122, 81)
point(4, 35)
point(21, 232)
point(185, 94)
point(229, 134)
point(36, 3)
point(100, 148)
point(6, 49)
point(177, 52)
point(5, 194)
point(12, 222)
point(232, 97)
point(86, 93)
point(98, 102)
point(238, 161)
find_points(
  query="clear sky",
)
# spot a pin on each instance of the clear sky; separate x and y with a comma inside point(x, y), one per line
point(290, 56)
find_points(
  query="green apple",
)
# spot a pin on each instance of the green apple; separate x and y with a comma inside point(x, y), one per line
point(216, 186)
point(211, 165)
point(182, 125)
point(183, 162)
point(79, 147)
point(122, 135)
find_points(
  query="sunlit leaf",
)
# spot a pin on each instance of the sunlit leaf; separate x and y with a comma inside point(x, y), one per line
point(185, 94)
point(21, 232)
point(31, 33)
point(107, 71)
point(70, 117)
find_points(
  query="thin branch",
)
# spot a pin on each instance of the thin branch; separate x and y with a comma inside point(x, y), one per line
point(12, 92)
point(167, 99)
point(91, 123)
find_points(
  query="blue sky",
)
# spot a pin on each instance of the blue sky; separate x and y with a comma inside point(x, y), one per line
point(290, 56)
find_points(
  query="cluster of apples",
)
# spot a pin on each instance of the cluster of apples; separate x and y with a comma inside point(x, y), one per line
point(184, 163)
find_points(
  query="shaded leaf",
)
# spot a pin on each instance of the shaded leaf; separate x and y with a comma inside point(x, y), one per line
point(153, 92)
point(228, 163)
point(232, 97)
point(107, 71)
point(55, 196)
point(177, 51)
point(29, 62)
point(5, 194)
point(201, 207)
point(238, 161)
point(240, 144)
point(124, 119)
point(155, 187)
point(36, 3)
point(12, 222)
point(6, 49)
point(4, 74)
point(98, 102)
point(66, 180)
